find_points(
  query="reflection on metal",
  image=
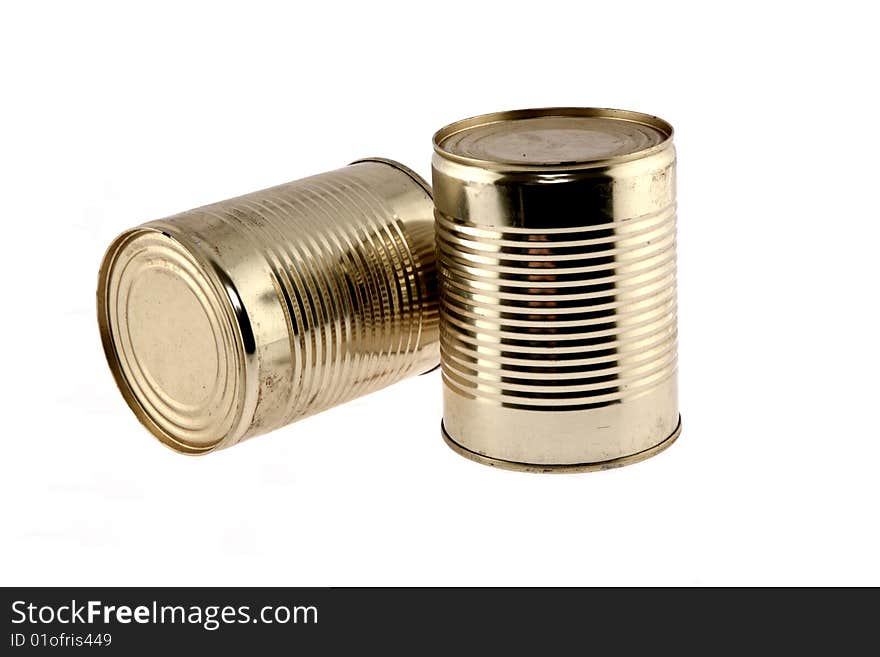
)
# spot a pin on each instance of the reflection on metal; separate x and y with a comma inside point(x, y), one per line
point(231, 320)
point(556, 243)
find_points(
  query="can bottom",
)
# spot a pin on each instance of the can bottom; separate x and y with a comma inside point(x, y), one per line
point(564, 468)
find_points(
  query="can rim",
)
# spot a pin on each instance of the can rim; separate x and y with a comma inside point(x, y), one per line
point(562, 468)
point(421, 182)
point(513, 115)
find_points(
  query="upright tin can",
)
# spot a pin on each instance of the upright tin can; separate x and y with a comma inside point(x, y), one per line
point(231, 320)
point(557, 261)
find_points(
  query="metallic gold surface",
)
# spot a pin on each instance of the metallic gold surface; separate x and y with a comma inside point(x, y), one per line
point(556, 241)
point(231, 320)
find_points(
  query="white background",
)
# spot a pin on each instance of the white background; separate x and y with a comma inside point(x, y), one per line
point(111, 116)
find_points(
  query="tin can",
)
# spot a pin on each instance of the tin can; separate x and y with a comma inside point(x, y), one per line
point(237, 318)
point(557, 261)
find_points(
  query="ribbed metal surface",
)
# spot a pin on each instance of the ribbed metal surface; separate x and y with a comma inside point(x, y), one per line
point(260, 310)
point(351, 286)
point(561, 319)
point(556, 241)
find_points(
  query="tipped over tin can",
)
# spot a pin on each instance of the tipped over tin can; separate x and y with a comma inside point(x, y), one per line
point(234, 319)
point(557, 261)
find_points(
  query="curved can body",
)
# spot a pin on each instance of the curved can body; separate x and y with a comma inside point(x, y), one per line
point(557, 263)
point(233, 319)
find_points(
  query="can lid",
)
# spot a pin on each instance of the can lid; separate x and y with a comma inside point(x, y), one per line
point(555, 136)
point(171, 338)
